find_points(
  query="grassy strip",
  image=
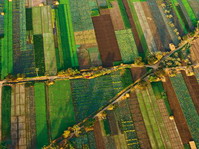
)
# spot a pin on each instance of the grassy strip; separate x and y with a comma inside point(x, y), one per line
point(147, 121)
point(40, 111)
point(107, 127)
point(152, 118)
point(59, 55)
point(67, 34)
point(124, 14)
point(6, 47)
point(190, 12)
point(39, 54)
point(194, 5)
point(36, 20)
point(160, 94)
point(158, 117)
point(6, 114)
point(29, 19)
point(183, 22)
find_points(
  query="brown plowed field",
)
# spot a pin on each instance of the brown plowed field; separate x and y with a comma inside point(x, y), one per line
point(116, 17)
point(193, 87)
point(177, 111)
point(139, 122)
point(137, 72)
point(106, 39)
point(98, 135)
point(173, 133)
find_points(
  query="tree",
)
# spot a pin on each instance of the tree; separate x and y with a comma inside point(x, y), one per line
point(10, 77)
point(152, 59)
point(153, 78)
point(138, 61)
point(142, 84)
point(160, 73)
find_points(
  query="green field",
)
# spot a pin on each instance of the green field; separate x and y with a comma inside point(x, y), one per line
point(90, 95)
point(160, 94)
point(61, 109)
point(6, 114)
point(126, 124)
point(6, 48)
point(151, 119)
point(42, 136)
point(127, 45)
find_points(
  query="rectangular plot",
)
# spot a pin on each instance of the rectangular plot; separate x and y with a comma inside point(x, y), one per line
point(84, 58)
point(91, 139)
point(46, 18)
point(116, 16)
point(159, 118)
point(193, 87)
point(145, 27)
point(177, 111)
point(113, 123)
point(184, 13)
point(194, 5)
point(164, 35)
point(61, 107)
point(6, 113)
point(187, 106)
point(40, 112)
point(127, 45)
point(37, 20)
point(126, 124)
point(86, 37)
point(189, 11)
point(67, 38)
point(95, 56)
point(81, 15)
point(30, 116)
point(152, 25)
point(146, 118)
point(124, 14)
point(171, 32)
point(29, 19)
point(106, 40)
point(1, 26)
point(49, 54)
point(138, 121)
point(28, 61)
point(39, 53)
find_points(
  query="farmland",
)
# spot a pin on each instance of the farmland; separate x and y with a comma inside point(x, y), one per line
point(99, 74)
point(187, 105)
point(59, 96)
point(90, 95)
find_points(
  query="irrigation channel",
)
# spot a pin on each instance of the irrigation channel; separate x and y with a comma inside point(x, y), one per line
point(119, 96)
